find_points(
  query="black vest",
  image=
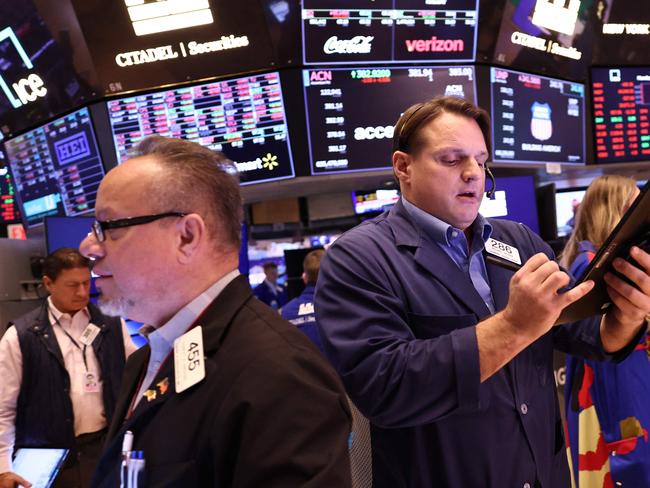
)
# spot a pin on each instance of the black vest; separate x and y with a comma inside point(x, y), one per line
point(44, 416)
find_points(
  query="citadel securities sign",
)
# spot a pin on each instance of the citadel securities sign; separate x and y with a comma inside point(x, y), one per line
point(193, 48)
point(27, 89)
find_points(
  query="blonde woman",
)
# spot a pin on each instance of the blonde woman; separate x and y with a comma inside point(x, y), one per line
point(606, 403)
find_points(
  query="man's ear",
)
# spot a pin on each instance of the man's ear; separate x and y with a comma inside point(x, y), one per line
point(47, 282)
point(401, 166)
point(191, 234)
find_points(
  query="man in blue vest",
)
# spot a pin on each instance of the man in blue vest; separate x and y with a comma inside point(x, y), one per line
point(300, 310)
point(61, 366)
point(270, 291)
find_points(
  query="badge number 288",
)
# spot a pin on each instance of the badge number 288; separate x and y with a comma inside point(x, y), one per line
point(189, 362)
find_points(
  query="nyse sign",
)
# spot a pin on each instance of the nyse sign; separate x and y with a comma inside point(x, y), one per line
point(27, 89)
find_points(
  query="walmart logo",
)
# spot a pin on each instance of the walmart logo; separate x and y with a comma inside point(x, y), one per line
point(270, 161)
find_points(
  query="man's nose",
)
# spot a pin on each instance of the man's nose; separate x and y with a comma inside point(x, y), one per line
point(91, 247)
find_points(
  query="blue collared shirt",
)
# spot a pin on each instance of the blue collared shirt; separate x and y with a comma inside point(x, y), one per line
point(454, 243)
point(161, 340)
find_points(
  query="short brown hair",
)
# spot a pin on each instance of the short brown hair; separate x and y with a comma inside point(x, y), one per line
point(408, 127)
point(311, 265)
point(63, 258)
point(197, 179)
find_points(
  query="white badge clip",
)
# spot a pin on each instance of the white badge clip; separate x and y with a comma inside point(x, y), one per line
point(502, 250)
point(89, 334)
point(189, 363)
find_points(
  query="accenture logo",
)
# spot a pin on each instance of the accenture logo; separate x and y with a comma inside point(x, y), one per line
point(356, 45)
point(434, 45)
point(369, 133)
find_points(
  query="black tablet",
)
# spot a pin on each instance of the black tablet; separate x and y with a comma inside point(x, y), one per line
point(39, 466)
point(632, 230)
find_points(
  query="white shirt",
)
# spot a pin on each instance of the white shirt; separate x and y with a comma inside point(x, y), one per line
point(88, 408)
point(161, 340)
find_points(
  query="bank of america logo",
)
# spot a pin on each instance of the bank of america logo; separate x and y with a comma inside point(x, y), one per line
point(152, 16)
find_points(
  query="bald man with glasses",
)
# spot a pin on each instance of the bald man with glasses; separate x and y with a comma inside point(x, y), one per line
point(226, 393)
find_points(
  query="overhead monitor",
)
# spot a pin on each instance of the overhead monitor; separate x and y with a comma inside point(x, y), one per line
point(242, 117)
point(38, 79)
point(536, 119)
point(56, 168)
point(621, 110)
point(138, 44)
point(388, 31)
point(9, 213)
point(624, 32)
point(549, 36)
point(351, 112)
point(514, 199)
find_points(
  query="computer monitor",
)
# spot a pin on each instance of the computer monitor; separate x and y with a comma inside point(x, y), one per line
point(514, 199)
point(354, 31)
point(242, 117)
point(536, 119)
point(621, 113)
point(9, 213)
point(567, 202)
point(56, 168)
point(66, 231)
point(374, 201)
point(351, 112)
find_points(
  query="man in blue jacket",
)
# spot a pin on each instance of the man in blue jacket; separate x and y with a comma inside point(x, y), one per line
point(300, 310)
point(448, 356)
point(270, 291)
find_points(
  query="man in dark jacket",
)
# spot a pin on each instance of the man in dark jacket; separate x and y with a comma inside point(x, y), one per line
point(448, 355)
point(61, 367)
point(226, 393)
point(300, 310)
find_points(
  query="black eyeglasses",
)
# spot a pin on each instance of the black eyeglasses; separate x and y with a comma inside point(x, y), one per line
point(101, 226)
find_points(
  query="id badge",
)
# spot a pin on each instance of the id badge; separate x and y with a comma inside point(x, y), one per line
point(89, 334)
point(189, 363)
point(90, 382)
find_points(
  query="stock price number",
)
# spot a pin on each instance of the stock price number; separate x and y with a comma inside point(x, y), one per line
point(370, 73)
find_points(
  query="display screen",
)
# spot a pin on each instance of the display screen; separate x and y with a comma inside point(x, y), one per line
point(621, 105)
point(536, 119)
point(514, 199)
point(566, 208)
point(56, 168)
point(242, 117)
point(351, 112)
point(8, 206)
point(382, 31)
point(374, 201)
point(554, 37)
point(138, 44)
point(37, 77)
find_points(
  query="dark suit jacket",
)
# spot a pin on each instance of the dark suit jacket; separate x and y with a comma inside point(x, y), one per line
point(270, 412)
point(397, 318)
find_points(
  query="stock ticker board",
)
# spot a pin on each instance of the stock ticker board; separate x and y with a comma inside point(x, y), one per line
point(384, 31)
point(351, 112)
point(621, 107)
point(242, 117)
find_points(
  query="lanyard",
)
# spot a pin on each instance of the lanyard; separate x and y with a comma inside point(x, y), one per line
point(83, 351)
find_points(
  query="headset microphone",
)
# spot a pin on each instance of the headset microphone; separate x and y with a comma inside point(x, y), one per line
point(490, 193)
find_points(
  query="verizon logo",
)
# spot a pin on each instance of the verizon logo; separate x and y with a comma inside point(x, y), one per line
point(356, 45)
point(435, 45)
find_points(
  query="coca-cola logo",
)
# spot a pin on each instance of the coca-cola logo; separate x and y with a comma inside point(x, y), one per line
point(356, 45)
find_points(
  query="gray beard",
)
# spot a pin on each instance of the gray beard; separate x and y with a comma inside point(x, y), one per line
point(116, 307)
